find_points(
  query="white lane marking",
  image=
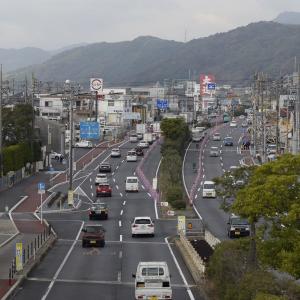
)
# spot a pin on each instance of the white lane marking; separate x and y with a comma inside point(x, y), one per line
point(113, 173)
point(117, 167)
point(203, 170)
point(143, 187)
point(121, 213)
point(224, 170)
point(180, 271)
point(123, 160)
point(121, 237)
point(149, 195)
point(221, 157)
point(155, 209)
point(91, 187)
point(119, 276)
point(196, 196)
point(121, 194)
point(134, 173)
point(92, 194)
point(120, 223)
point(114, 180)
point(124, 202)
point(199, 188)
point(62, 264)
point(117, 187)
point(90, 179)
point(120, 254)
point(203, 176)
point(157, 170)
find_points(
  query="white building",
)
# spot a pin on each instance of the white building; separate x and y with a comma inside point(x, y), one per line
point(51, 107)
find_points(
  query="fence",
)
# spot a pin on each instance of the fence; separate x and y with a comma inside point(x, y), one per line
point(29, 252)
point(14, 177)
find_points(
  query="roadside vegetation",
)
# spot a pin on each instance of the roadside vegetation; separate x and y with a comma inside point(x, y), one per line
point(258, 267)
point(176, 137)
point(20, 145)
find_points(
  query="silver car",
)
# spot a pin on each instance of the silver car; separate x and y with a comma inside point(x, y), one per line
point(214, 151)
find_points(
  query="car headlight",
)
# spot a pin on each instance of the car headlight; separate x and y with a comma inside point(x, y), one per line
point(247, 228)
point(232, 228)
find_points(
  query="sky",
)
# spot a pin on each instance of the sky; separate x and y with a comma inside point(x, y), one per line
point(52, 24)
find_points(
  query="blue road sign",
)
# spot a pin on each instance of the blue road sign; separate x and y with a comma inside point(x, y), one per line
point(162, 103)
point(41, 186)
point(211, 86)
point(89, 130)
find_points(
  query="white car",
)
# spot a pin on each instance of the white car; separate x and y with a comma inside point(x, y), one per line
point(233, 124)
point(152, 280)
point(214, 151)
point(101, 178)
point(115, 152)
point(216, 136)
point(140, 136)
point(209, 189)
point(142, 226)
point(84, 144)
point(131, 156)
point(133, 138)
point(143, 144)
point(132, 184)
point(55, 155)
point(241, 117)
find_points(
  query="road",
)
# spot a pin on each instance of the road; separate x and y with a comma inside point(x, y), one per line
point(213, 215)
point(69, 271)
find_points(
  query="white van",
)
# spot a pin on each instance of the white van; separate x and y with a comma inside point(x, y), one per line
point(131, 184)
point(209, 189)
point(131, 156)
point(133, 138)
point(152, 281)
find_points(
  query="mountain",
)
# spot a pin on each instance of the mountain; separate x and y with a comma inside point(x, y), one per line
point(69, 47)
point(292, 18)
point(233, 57)
point(18, 58)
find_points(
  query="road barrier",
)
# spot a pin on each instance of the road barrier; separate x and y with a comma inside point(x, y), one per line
point(211, 239)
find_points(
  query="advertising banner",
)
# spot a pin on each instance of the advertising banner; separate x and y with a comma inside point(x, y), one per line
point(207, 83)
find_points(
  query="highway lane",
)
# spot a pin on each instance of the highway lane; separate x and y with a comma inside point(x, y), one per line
point(70, 271)
point(213, 215)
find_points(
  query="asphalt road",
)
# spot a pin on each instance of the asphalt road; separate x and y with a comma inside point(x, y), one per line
point(213, 215)
point(71, 272)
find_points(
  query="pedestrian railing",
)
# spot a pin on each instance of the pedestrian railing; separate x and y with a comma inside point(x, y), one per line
point(29, 252)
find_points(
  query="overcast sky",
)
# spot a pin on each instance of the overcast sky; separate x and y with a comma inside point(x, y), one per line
point(52, 24)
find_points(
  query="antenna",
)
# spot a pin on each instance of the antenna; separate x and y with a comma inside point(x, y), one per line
point(185, 35)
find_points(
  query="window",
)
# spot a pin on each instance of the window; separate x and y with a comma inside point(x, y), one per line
point(111, 103)
point(152, 271)
point(48, 103)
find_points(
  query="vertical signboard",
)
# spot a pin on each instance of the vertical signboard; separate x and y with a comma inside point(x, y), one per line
point(181, 224)
point(19, 256)
point(206, 84)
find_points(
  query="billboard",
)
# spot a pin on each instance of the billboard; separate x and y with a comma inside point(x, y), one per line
point(89, 130)
point(162, 103)
point(206, 84)
point(96, 84)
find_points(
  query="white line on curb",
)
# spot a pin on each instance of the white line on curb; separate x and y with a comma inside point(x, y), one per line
point(121, 237)
point(120, 223)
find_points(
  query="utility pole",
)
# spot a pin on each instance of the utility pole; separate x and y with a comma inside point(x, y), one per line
point(96, 105)
point(1, 146)
point(277, 93)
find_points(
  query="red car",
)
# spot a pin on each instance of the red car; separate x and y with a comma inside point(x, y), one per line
point(103, 190)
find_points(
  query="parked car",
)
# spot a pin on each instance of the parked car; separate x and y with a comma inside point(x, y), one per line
point(237, 227)
point(216, 136)
point(228, 141)
point(143, 144)
point(93, 235)
point(131, 156)
point(56, 155)
point(101, 178)
point(115, 152)
point(233, 124)
point(209, 189)
point(103, 190)
point(98, 211)
point(214, 151)
point(142, 226)
point(139, 151)
point(131, 184)
point(105, 167)
point(152, 281)
point(84, 144)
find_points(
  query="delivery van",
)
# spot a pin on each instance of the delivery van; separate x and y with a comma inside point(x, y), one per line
point(131, 184)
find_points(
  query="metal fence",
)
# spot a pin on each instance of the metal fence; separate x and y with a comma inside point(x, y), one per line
point(12, 178)
point(29, 252)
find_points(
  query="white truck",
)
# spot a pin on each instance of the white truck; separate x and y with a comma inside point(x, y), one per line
point(152, 281)
point(156, 127)
point(148, 137)
point(140, 128)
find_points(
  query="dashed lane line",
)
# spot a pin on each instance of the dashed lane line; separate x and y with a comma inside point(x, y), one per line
point(121, 194)
point(120, 223)
point(121, 213)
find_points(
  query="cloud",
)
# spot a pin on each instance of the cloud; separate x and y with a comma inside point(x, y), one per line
point(55, 23)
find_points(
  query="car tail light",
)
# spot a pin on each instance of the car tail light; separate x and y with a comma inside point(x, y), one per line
point(150, 225)
point(167, 297)
point(134, 225)
point(141, 297)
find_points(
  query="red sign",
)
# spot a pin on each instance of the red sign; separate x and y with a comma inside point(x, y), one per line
point(204, 80)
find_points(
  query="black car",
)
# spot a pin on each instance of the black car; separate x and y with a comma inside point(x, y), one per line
point(139, 151)
point(228, 141)
point(105, 167)
point(237, 227)
point(98, 211)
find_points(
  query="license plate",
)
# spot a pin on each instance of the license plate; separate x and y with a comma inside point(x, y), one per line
point(92, 242)
point(153, 298)
point(237, 233)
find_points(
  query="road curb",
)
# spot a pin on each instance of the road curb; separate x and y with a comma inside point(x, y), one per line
point(44, 249)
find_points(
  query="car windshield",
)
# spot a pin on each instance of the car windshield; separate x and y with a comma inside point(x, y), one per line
point(132, 180)
point(94, 229)
point(214, 148)
point(239, 221)
point(272, 146)
point(228, 139)
point(209, 186)
point(100, 206)
point(133, 135)
point(131, 153)
point(142, 221)
point(115, 150)
point(152, 271)
point(104, 165)
point(101, 176)
point(217, 134)
point(103, 186)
